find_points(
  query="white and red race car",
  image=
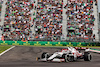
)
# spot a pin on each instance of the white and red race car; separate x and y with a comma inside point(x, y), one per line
point(66, 55)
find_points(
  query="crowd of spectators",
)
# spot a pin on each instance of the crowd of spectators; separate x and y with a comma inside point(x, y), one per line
point(80, 19)
point(48, 26)
point(49, 19)
point(17, 19)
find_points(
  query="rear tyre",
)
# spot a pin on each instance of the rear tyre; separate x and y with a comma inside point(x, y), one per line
point(65, 57)
point(71, 58)
point(87, 56)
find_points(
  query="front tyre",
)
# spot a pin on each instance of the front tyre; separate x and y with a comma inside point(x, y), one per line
point(45, 55)
point(87, 56)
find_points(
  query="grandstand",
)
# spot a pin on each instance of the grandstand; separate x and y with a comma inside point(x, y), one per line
point(80, 20)
point(49, 20)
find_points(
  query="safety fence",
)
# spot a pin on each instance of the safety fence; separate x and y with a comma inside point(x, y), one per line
point(47, 43)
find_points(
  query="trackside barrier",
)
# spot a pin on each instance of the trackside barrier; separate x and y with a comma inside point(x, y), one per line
point(95, 49)
point(47, 43)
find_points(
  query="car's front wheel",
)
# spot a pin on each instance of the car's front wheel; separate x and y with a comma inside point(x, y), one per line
point(45, 55)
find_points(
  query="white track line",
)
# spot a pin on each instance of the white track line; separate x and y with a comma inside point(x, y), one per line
point(6, 50)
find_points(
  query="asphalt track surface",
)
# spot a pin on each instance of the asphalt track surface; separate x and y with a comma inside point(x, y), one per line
point(26, 57)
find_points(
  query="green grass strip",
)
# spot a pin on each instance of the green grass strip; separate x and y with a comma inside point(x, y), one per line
point(3, 48)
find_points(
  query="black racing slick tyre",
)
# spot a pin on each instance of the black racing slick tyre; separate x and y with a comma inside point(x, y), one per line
point(45, 55)
point(65, 57)
point(87, 56)
point(68, 58)
point(71, 58)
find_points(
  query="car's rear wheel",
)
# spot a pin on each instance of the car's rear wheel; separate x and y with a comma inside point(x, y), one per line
point(65, 57)
point(87, 56)
point(71, 58)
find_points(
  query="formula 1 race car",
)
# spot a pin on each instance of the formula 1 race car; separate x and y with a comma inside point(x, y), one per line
point(66, 55)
